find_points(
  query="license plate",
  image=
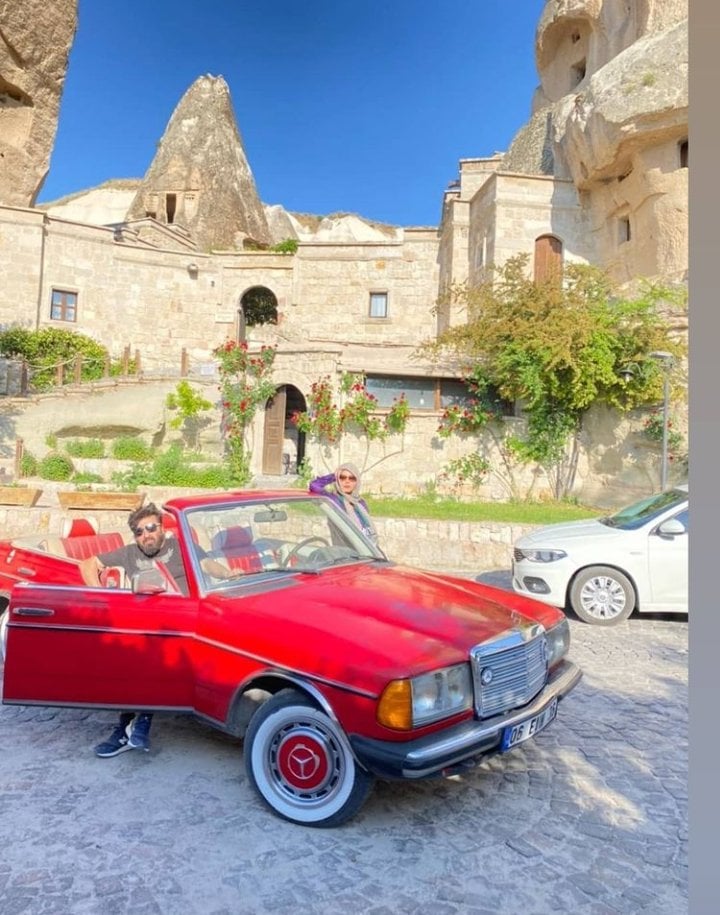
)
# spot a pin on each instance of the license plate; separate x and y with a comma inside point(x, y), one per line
point(514, 735)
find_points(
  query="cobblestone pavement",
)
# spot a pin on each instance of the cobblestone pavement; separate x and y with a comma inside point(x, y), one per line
point(588, 818)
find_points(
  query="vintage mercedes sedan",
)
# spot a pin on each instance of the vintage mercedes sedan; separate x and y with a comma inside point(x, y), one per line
point(336, 665)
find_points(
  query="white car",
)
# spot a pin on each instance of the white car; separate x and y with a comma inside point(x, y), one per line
point(605, 568)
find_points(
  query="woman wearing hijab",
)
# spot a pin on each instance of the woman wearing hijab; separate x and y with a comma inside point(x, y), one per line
point(343, 487)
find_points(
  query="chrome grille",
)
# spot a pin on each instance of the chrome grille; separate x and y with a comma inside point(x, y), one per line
point(516, 666)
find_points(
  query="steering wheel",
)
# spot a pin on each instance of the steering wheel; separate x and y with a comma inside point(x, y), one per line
point(298, 546)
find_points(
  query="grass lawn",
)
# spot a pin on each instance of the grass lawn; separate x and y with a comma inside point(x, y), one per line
point(453, 510)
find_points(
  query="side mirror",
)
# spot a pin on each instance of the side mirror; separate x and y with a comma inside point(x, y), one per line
point(671, 528)
point(149, 581)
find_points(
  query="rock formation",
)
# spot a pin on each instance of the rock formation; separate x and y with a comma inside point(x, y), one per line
point(200, 178)
point(35, 40)
point(611, 114)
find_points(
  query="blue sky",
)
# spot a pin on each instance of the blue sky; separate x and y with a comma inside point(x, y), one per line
point(355, 107)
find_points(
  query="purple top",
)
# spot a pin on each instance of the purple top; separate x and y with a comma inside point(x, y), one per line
point(319, 485)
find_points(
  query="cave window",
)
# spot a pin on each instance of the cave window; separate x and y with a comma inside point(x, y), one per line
point(575, 37)
point(684, 154)
point(578, 72)
point(170, 207)
point(624, 233)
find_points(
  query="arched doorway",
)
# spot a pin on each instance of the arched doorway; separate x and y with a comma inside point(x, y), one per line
point(283, 443)
point(258, 305)
point(548, 258)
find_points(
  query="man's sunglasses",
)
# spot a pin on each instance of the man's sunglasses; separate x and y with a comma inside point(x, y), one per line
point(346, 476)
point(141, 529)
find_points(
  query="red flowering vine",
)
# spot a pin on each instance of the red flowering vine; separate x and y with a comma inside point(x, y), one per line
point(244, 386)
point(326, 421)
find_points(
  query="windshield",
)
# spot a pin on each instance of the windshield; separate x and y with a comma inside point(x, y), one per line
point(645, 510)
point(272, 536)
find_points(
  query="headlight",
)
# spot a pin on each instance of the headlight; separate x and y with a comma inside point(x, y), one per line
point(558, 642)
point(407, 704)
point(543, 555)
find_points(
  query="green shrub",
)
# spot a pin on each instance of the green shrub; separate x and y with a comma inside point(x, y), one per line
point(286, 246)
point(49, 347)
point(88, 448)
point(55, 466)
point(28, 465)
point(305, 474)
point(129, 448)
point(83, 477)
point(171, 468)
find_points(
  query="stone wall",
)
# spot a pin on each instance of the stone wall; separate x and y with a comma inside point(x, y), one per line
point(21, 254)
point(616, 462)
point(444, 546)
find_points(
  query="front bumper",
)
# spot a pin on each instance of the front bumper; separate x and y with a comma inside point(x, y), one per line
point(553, 576)
point(462, 744)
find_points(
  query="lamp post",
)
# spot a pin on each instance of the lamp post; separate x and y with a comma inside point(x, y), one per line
point(665, 359)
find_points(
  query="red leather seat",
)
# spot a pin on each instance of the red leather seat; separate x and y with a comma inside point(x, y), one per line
point(85, 547)
point(79, 527)
point(237, 548)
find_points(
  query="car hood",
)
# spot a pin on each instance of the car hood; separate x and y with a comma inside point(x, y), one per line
point(369, 623)
point(557, 535)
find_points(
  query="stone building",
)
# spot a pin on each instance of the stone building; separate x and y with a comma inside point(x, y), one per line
point(598, 175)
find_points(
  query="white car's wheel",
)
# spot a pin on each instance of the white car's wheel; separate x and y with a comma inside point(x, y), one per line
point(602, 596)
point(4, 615)
point(299, 761)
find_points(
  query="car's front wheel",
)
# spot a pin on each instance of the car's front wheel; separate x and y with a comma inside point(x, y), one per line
point(602, 596)
point(299, 761)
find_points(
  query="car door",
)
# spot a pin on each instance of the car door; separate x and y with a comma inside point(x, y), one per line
point(99, 647)
point(668, 567)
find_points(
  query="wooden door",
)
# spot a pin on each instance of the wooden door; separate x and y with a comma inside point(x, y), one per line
point(274, 433)
point(548, 258)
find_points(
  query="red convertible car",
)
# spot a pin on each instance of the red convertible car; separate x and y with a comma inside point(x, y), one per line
point(336, 665)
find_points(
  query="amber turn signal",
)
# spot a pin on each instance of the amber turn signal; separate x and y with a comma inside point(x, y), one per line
point(395, 706)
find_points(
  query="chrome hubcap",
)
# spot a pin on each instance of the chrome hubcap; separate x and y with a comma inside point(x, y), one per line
point(603, 597)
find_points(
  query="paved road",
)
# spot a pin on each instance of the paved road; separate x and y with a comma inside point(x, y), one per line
point(589, 818)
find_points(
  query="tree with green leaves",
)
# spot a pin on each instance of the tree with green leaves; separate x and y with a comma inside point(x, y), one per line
point(189, 404)
point(558, 347)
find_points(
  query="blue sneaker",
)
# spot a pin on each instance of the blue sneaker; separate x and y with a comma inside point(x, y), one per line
point(138, 733)
point(117, 742)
